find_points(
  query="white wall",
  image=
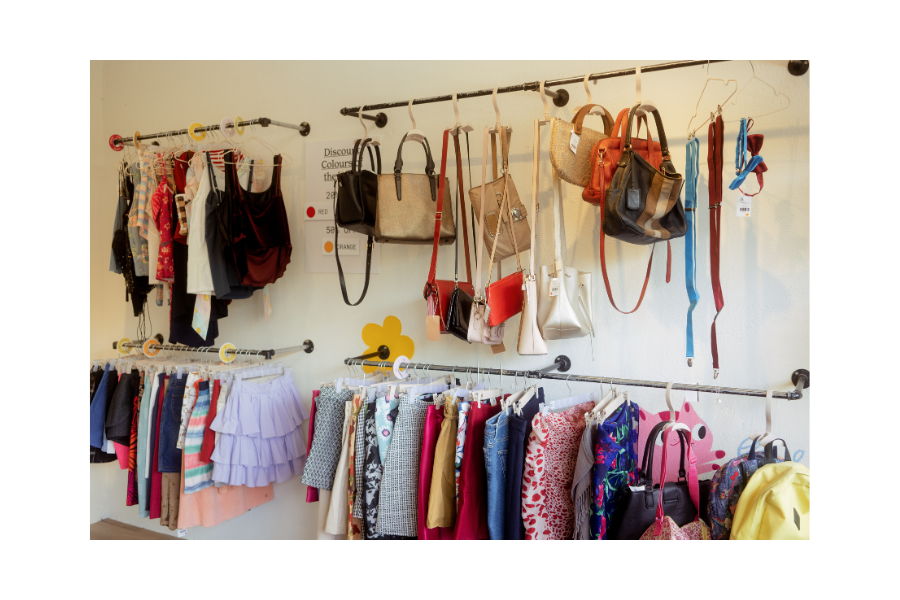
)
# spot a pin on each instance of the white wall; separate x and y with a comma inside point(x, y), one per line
point(763, 330)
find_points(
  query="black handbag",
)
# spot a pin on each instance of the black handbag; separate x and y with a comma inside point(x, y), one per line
point(355, 200)
point(637, 509)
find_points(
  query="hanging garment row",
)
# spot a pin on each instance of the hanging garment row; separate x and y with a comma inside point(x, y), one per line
point(429, 458)
point(202, 442)
point(631, 179)
point(202, 220)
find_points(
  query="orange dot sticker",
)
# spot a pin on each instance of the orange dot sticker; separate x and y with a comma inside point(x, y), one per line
point(328, 247)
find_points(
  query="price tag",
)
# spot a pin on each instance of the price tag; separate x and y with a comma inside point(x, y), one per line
point(498, 349)
point(182, 532)
point(554, 287)
point(433, 328)
point(743, 205)
point(573, 142)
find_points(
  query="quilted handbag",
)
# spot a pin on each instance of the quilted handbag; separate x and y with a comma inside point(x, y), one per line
point(407, 205)
point(574, 166)
point(637, 508)
point(513, 234)
point(664, 527)
point(642, 205)
point(443, 294)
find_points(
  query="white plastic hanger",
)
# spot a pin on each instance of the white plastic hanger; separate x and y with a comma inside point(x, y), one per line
point(671, 406)
point(496, 128)
point(372, 142)
point(546, 119)
point(414, 135)
point(564, 403)
point(776, 93)
point(609, 397)
point(764, 437)
point(594, 111)
point(691, 134)
point(459, 128)
point(646, 106)
point(612, 407)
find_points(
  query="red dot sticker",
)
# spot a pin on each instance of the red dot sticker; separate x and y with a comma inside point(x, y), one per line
point(310, 212)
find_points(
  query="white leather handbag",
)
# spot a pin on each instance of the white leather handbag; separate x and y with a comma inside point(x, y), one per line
point(564, 299)
point(530, 339)
point(479, 331)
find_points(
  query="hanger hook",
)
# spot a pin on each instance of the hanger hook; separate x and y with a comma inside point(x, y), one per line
point(411, 117)
point(497, 107)
point(567, 383)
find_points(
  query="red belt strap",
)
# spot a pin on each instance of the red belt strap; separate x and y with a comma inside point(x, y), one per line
point(430, 287)
point(715, 163)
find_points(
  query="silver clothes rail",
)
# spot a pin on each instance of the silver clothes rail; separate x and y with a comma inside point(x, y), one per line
point(800, 378)
point(560, 97)
point(307, 346)
point(303, 128)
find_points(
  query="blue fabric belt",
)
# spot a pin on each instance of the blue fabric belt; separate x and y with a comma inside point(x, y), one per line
point(692, 151)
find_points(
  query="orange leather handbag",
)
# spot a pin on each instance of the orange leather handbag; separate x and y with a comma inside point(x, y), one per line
point(606, 154)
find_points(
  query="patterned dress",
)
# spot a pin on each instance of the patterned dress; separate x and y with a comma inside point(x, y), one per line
point(132, 495)
point(461, 439)
point(616, 465)
point(547, 509)
point(353, 527)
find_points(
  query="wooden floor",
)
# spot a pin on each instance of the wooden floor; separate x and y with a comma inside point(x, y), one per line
point(107, 529)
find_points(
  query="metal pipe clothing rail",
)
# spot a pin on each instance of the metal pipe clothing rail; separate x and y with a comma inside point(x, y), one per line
point(307, 347)
point(800, 378)
point(303, 128)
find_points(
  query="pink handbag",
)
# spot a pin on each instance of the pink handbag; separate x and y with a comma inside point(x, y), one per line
point(665, 528)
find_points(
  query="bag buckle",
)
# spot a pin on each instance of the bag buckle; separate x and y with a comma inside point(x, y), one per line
point(517, 214)
point(437, 215)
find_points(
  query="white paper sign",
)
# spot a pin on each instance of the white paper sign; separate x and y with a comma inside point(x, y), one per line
point(324, 160)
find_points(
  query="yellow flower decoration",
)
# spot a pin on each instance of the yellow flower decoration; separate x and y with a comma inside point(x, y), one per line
point(387, 334)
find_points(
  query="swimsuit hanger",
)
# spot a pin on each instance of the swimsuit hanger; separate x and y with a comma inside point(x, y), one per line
point(691, 134)
point(775, 92)
point(496, 128)
point(764, 437)
point(645, 106)
point(414, 135)
point(372, 141)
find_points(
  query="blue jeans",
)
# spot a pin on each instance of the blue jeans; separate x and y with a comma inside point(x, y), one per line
point(169, 424)
point(496, 437)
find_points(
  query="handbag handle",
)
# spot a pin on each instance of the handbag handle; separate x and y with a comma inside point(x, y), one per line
point(429, 167)
point(461, 205)
point(535, 186)
point(663, 144)
point(768, 450)
point(693, 483)
point(581, 114)
point(618, 132)
point(646, 472)
point(358, 169)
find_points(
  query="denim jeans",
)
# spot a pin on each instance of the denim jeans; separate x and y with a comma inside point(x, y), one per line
point(170, 423)
point(496, 437)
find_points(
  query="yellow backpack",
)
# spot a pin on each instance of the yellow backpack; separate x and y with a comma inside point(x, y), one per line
point(774, 505)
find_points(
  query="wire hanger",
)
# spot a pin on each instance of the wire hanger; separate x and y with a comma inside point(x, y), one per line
point(414, 135)
point(691, 134)
point(775, 93)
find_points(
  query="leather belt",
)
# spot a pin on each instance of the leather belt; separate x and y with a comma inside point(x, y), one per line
point(715, 164)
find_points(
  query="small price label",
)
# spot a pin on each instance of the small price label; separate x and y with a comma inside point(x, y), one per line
point(573, 142)
point(743, 205)
point(554, 287)
point(182, 532)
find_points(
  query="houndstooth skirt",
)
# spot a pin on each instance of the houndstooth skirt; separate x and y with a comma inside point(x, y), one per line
point(398, 505)
point(326, 445)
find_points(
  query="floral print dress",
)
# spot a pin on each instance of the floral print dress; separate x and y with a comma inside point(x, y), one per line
point(615, 467)
point(461, 439)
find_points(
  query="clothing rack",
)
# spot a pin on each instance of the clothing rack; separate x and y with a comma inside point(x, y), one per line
point(560, 97)
point(800, 378)
point(307, 347)
point(303, 128)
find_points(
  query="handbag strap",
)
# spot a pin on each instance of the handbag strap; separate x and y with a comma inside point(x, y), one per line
point(691, 170)
point(535, 186)
point(693, 483)
point(663, 143)
point(581, 114)
point(461, 214)
point(504, 203)
point(714, 162)
point(430, 287)
point(479, 239)
point(337, 256)
point(606, 276)
point(559, 226)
